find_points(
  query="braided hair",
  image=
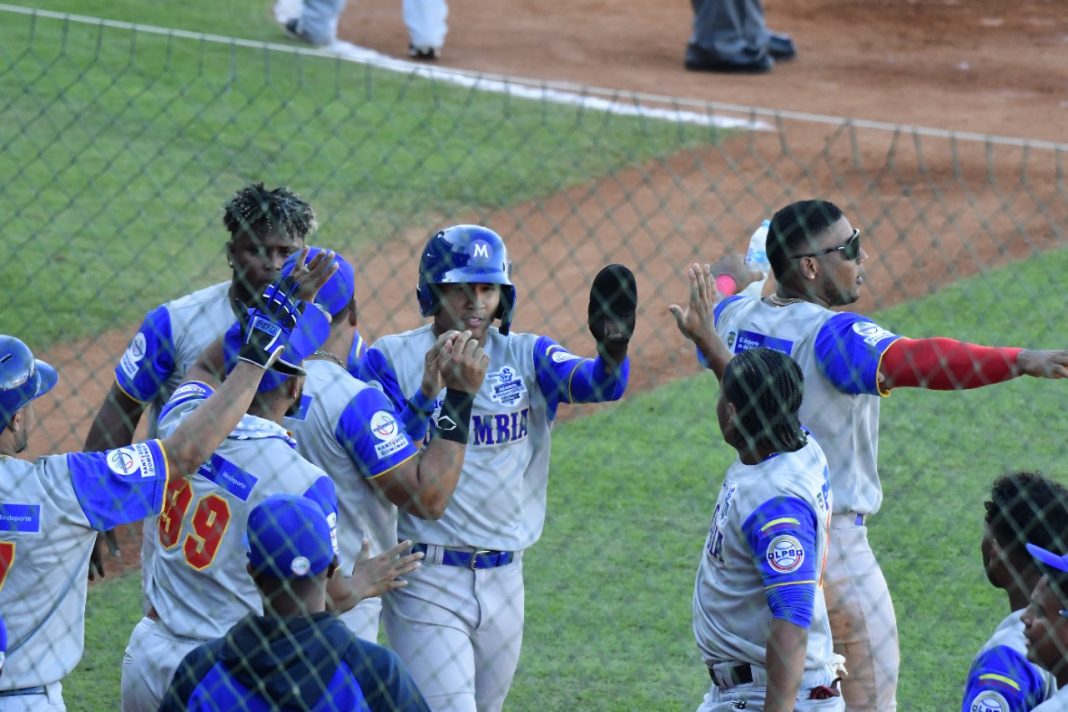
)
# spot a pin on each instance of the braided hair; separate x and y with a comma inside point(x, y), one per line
point(766, 388)
point(256, 212)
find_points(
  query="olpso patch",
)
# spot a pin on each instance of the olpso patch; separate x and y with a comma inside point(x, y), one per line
point(989, 701)
point(785, 554)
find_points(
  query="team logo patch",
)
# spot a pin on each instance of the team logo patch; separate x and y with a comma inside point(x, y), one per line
point(562, 356)
point(135, 352)
point(508, 387)
point(989, 701)
point(785, 554)
point(480, 252)
point(871, 333)
point(300, 565)
point(384, 426)
point(124, 461)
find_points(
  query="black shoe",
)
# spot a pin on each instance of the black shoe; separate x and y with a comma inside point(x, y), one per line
point(424, 54)
point(292, 28)
point(781, 47)
point(699, 59)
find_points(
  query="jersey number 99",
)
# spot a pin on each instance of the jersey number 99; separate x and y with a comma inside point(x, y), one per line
point(211, 518)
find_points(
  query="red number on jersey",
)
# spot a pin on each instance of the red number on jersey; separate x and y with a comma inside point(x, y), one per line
point(211, 518)
point(7, 557)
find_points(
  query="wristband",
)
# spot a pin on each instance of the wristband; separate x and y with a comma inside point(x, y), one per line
point(454, 423)
point(421, 403)
point(726, 285)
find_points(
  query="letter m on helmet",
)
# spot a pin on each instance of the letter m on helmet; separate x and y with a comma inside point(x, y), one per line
point(466, 254)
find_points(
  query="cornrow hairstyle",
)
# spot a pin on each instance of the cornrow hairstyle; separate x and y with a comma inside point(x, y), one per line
point(793, 227)
point(1027, 507)
point(257, 212)
point(766, 388)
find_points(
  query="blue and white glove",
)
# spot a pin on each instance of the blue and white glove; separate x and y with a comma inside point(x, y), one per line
point(270, 323)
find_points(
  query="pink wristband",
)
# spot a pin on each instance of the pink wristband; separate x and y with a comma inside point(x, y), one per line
point(726, 285)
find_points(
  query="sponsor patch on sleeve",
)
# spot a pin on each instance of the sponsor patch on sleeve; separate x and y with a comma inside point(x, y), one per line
point(135, 352)
point(871, 332)
point(130, 460)
point(391, 438)
point(785, 554)
point(989, 701)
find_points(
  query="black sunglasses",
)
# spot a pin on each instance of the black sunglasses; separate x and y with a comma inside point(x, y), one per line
point(850, 249)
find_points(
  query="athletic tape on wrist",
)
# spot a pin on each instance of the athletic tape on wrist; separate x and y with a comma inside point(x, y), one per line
point(454, 423)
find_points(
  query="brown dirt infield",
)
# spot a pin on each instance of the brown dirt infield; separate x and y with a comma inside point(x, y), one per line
point(931, 209)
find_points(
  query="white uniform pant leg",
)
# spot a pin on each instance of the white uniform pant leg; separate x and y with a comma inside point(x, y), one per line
point(318, 20)
point(364, 618)
point(152, 656)
point(51, 700)
point(426, 22)
point(862, 620)
point(459, 633)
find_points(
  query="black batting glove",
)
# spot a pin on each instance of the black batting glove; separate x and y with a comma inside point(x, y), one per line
point(269, 324)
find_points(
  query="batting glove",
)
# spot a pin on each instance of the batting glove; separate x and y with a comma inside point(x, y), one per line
point(269, 324)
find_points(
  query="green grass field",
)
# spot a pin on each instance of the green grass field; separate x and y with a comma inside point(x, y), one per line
point(116, 156)
point(118, 151)
point(631, 493)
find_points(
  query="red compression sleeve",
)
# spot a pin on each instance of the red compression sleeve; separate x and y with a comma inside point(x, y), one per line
point(943, 364)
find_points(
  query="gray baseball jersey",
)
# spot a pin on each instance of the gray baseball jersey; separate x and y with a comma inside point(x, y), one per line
point(169, 341)
point(499, 502)
point(50, 512)
point(349, 430)
point(769, 531)
point(1057, 703)
point(839, 354)
point(197, 581)
point(1001, 678)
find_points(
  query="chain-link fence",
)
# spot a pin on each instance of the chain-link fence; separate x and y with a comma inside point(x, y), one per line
point(120, 148)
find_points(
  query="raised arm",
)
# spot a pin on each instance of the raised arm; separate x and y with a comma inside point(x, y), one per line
point(696, 320)
point(940, 363)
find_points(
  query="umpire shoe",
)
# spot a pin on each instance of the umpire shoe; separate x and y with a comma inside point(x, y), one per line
point(781, 47)
point(699, 59)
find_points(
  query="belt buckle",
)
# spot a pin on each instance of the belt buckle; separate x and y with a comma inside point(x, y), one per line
point(473, 563)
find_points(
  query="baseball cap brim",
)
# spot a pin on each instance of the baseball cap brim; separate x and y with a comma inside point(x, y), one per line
point(1048, 558)
point(46, 378)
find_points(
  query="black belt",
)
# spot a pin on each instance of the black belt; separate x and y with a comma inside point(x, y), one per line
point(477, 559)
point(39, 690)
point(741, 674)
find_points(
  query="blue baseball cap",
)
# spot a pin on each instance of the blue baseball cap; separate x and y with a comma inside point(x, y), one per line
point(289, 537)
point(1054, 561)
point(339, 290)
point(22, 377)
point(312, 329)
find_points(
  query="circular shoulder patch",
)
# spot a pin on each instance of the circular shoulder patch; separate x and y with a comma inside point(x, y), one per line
point(300, 565)
point(785, 554)
point(123, 461)
point(989, 701)
point(138, 346)
point(384, 426)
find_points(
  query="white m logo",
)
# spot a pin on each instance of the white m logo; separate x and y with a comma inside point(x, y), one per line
point(481, 251)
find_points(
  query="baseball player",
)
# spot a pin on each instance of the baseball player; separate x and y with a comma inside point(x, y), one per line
point(51, 508)
point(265, 227)
point(296, 655)
point(1046, 623)
point(849, 361)
point(759, 617)
point(1023, 506)
point(195, 580)
point(458, 624)
point(348, 429)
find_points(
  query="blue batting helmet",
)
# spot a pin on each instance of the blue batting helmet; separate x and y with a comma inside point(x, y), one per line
point(466, 254)
point(22, 378)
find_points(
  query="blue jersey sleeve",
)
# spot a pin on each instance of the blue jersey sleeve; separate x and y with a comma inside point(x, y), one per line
point(716, 312)
point(564, 377)
point(849, 348)
point(186, 393)
point(369, 432)
point(119, 486)
point(323, 493)
point(1002, 679)
point(782, 534)
point(149, 359)
point(356, 354)
point(374, 368)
